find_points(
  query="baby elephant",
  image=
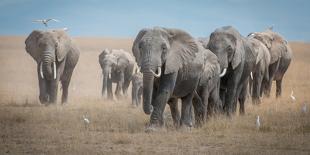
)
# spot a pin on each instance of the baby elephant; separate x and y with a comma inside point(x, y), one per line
point(137, 88)
point(117, 67)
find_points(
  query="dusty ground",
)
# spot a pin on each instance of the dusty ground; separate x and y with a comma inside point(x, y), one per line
point(26, 127)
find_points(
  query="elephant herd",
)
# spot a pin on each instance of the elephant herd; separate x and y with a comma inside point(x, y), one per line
point(208, 75)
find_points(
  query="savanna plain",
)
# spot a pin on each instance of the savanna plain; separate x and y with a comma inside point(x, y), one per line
point(116, 127)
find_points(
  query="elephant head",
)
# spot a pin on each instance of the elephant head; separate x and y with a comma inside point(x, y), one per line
point(48, 49)
point(161, 51)
point(273, 42)
point(227, 44)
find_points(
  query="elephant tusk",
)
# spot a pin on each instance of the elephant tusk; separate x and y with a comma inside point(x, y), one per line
point(158, 74)
point(41, 71)
point(251, 74)
point(109, 75)
point(138, 69)
point(55, 72)
point(223, 73)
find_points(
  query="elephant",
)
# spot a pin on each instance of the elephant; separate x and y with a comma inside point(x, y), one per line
point(261, 69)
point(236, 60)
point(56, 56)
point(137, 87)
point(207, 101)
point(280, 58)
point(117, 67)
point(171, 62)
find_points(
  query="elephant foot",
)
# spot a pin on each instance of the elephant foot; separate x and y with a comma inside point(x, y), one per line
point(184, 128)
point(154, 128)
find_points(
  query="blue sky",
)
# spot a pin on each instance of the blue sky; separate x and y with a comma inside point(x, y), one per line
point(122, 18)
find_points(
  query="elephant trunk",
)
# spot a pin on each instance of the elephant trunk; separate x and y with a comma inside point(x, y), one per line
point(148, 81)
point(104, 84)
point(48, 66)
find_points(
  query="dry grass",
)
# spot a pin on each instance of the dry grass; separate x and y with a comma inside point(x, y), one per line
point(26, 127)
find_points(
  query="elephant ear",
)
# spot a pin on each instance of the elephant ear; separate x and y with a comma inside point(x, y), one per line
point(211, 66)
point(102, 55)
point(276, 51)
point(63, 44)
point(32, 45)
point(182, 51)
point(239, 50)
point(135, 47)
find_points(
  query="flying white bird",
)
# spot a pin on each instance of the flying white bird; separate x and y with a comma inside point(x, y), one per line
point(45, 21)
point(304, 108)
point(292, 96)
point(257, 123)
point(86, 120)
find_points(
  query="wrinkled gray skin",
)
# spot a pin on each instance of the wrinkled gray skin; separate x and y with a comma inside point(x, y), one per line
point(261, 68)
point(137, 88)
point(236, 55)
point(117, 67)
point(48, 48)
point(280, 59)
point(208, 100)
point(171, 63)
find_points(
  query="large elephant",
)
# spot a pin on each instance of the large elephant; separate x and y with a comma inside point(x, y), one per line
point(261, 69)
point(280, 58)
point(171, 61)
point(117, 67)
point(56, 56)
point(237, 60)
point(207, 101)
point(137, 87)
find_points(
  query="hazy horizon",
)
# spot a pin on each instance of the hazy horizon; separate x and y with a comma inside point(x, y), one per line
point(123, 19)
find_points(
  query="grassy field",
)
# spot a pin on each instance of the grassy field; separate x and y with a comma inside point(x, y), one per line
point(26, 127)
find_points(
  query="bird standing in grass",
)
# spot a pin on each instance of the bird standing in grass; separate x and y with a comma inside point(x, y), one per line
point(86, 120)
point(257, 123)
point(45, 21)
point(292, 96)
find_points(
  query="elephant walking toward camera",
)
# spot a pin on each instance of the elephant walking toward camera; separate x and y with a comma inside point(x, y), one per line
point(207, 101)
point(117, 67)
point(237, 60)
point(261, 68)
point(56, 56)
point(280, 58)
point(171, 62)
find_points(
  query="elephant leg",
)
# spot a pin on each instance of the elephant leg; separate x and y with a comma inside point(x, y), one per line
point(278, 88)
point(134, 96)
point(257, 81)
point(140, 92)
point(186, 114)
point(173, 103)
point(119, 87)
point(272, 71)
point(109, 89)
point(53, 90)
point(43, 96)
point(242, 98)
point(199, 109)
point(161, 97)
point(231, 94)
point(65, 81)
point(125, 87)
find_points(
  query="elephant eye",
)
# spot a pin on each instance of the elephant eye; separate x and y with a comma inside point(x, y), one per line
point(164, 47)
point(229, 48)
